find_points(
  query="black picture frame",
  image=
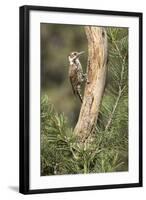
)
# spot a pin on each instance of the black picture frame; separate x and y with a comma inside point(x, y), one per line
point(25, 105)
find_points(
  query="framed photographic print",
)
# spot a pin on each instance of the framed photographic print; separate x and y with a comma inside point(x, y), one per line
point(80, 99)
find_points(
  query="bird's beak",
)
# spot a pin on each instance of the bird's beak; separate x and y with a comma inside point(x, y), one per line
point(81, 53)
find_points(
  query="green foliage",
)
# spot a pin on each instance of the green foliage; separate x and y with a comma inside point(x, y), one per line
point(107, 150)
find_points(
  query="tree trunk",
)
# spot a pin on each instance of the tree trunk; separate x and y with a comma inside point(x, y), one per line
point(96, 73)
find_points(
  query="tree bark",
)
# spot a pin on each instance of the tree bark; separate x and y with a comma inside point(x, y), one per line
point(96, 73)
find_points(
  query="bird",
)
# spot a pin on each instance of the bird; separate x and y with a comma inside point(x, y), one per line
point(76, 75)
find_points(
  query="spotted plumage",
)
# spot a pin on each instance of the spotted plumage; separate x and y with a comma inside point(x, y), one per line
point(76, 74)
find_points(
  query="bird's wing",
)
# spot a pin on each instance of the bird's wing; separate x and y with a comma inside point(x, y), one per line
point(73, 89)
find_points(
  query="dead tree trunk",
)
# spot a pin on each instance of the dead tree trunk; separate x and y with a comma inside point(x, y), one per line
point(96, 72)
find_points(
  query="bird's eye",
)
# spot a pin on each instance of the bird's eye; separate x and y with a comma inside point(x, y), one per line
point(75, 54)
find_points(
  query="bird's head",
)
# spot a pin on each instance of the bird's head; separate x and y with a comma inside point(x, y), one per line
point(74, 55)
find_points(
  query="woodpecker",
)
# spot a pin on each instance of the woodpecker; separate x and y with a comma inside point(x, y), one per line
point(76, 75)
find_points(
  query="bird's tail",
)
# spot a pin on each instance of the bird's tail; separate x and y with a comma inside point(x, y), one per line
point(79, 95)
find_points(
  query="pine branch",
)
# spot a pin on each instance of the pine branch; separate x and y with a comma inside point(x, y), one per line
point(123, 59)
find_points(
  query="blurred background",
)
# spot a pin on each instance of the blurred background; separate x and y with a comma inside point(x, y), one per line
point(57, 41)
point(111, 135)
